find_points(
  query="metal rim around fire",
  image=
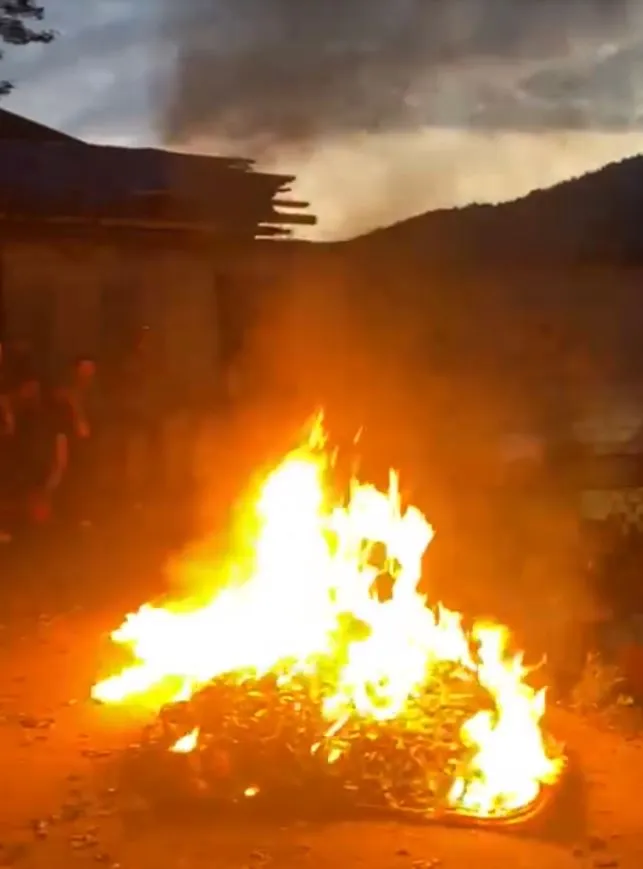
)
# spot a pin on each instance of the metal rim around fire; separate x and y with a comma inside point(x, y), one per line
point(531, 819)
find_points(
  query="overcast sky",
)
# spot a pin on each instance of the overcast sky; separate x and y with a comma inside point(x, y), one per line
point(384, 108)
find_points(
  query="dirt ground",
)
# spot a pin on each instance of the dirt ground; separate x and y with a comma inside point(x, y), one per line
point(57, 809)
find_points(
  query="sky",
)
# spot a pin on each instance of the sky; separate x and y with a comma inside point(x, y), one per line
point(382, 108)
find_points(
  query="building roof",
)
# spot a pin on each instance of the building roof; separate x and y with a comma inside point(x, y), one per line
point(50, 176)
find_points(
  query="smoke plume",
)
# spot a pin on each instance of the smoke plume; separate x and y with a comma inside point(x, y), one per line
point(286, 71)
point(382, 108)
point(413, 104)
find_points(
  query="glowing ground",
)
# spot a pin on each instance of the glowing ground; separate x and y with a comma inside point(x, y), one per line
point(55, 760)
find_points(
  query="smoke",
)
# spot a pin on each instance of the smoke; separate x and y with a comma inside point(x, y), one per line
point(385, 109)
point(382, 108)
point(275, 70)
point(389, 109)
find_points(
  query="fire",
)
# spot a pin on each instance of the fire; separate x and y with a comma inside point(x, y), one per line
point(186, 743)
point(313, 565)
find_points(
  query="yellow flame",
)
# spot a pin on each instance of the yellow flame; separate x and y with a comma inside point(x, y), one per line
point(314, 562)
point(186, 743)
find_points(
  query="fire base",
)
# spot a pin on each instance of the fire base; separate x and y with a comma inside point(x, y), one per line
point(264, 748)
point(172, 788)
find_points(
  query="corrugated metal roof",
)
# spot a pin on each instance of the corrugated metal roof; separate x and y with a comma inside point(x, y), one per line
point(43, 176)
point(60, 170)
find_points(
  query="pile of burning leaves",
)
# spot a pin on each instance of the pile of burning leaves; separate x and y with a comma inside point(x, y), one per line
point(299, 686)
point(264, 738)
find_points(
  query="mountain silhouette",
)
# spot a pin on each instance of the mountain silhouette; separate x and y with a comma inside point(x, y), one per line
point(19, 129)
point(596, 217)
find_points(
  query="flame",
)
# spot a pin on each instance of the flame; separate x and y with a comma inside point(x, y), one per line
point(313, 562)
point(186, 743)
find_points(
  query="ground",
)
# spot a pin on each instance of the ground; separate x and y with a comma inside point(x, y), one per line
point(57, 808)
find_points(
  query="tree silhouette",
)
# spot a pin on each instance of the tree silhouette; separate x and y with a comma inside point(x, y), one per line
point(16, 20)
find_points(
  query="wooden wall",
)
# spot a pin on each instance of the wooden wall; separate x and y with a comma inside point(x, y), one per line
point(393, 340)
point(67, 297)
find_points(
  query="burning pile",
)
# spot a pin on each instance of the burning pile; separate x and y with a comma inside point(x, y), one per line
point(302, 678)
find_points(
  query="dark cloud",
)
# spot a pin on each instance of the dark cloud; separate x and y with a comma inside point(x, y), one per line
point(286, 70)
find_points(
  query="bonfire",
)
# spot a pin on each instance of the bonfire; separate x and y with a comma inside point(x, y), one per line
point(323, 673)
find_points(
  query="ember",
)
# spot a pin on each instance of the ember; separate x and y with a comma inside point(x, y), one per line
point(299, 676)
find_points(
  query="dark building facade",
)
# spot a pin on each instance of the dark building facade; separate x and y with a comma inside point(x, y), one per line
point(97, 243)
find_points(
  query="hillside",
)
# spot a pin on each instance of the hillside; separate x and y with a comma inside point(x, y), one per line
point(595, 217)
point(16, 128)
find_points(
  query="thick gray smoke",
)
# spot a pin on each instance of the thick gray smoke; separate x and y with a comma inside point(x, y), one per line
point(385, 109)
point(295, 70)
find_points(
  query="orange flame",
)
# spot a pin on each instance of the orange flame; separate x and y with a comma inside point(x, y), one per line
point(312, 564)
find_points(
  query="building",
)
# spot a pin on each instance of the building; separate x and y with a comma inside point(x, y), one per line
point(98, 242)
